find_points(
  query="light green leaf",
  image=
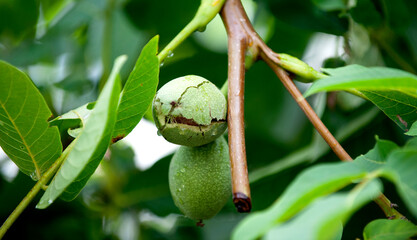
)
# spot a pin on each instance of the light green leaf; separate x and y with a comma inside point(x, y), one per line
point(413, 130)
point(324, 218)
point(393, 91)
point(376, 157)
point(90, 146)
point(313, 183)
point(412, 143)
point(138, 91)
point(73, 118)
point(384, 229)
point(24, 132)
point(401, 169)
point(363, 78)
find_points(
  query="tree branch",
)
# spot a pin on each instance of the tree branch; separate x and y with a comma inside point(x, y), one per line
point(241, 32)
point(309, 112)
point(235, 117)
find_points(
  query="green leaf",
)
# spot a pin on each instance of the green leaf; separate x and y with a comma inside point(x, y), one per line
point(398, 106)
point(73, 118)
point(401, 169)
point(90, 146)
point(366, 14)
point(24, 132)
point(324, 218)
point(138, 91)
point(23, 14)
point(377, 156)
point(317, 20)
point(330, 5)
point(313, 183)
point(412, 143)
point(392, 90)
point(413, 130)
point(363, 78)
point(384, 229)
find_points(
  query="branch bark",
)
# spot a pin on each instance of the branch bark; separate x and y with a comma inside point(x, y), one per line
point(241, 37)
point(238, 45)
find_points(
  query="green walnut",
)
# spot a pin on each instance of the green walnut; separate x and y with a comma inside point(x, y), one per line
point(190, 111)
point(200, 179)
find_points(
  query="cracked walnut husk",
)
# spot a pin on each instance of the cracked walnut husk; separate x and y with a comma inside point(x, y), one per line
point(190, 111)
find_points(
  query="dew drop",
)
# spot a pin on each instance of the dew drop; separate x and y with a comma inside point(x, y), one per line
point(182, 170)
point(170, 54)
point(161, 64)
point(179, 189)
point(50, 201)
point(34, 176)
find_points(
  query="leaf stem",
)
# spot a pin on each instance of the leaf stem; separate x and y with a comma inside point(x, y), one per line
point(207, 10)
point(181, 36)
point(388, 208)
point(106, 49)
point(34, 191)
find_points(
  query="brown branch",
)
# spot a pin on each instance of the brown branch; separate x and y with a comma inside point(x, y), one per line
point(237, 47)
point(241, 36)
point(309, 112)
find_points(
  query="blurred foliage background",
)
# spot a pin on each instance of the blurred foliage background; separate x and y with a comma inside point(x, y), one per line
point(67, 47)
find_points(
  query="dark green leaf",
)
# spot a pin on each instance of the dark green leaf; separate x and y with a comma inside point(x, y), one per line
point(305, 15)
point(365, 13)
point(313, 183)
point(401, 169)
point(384, 229)
point(139, 91)
point(398, 106)
point(90, 146)
point(24, 132)
point(398, 15)
point(324, 218)
point(13, 12)
point(376, 157)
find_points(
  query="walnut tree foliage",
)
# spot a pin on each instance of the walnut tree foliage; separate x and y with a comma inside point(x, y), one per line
point(76, 77)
